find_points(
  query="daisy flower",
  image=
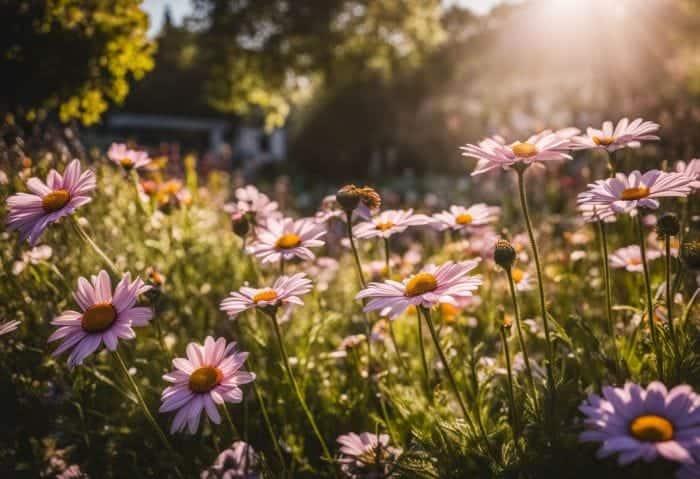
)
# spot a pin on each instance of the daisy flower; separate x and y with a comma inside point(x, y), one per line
point(329, 209)
point(287, 239)
point(691, 169)
point(459, 218)
point(523, 280)
point(209, 376)
point(31, 214)
point(366, 455)
point(237, 462)
point(624, 193)
point(7, 327)
point(254, 204)
point(623, 135)
point(493, 153)
point(630, 258)
point(388, 223)
point(104, 317)
point(643, 424)
point(285, 291)
point(446, 283)
point(127, 158)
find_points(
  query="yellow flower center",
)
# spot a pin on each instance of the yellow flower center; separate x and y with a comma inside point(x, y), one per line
point(634, 261)
point(524, 150)
point(127, 163)
point(464, 219)
point(448, 312)
point(634, 193)
point(420, 284)
point(98, 318)
point(55, 200)
point(288, 241)
point(384, 226)
point(603, 141)
point(205, 379)
point(652, 428)
point(517, 274)
point(267, 295)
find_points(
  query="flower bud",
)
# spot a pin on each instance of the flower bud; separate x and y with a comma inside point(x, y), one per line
point(668, 225)
point(690, 254)
point(504, 255)
point(241, 226)
point(350, 196)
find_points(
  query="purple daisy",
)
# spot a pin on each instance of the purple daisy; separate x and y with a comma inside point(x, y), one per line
point(366, 455)
point(6, 327)
point(31, 214)
point(209, 376)
point(237, 462)
point(105, 317)
point(643, 424)
point(127, 158)
point(446, 283)
point(285, 290)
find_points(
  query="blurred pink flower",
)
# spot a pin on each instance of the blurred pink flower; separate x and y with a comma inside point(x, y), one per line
point(630, 258)
point(388, 223)
point(459, 218)
point(127, 158)
point(624, 135)
point(287, 239)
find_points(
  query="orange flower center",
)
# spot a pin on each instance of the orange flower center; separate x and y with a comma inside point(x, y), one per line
point(634, 193)
point(98, 318)
point(525, 150)
point(448, 312)
point(267, 295)
point(55, 200)
point(603, 141)
point(205, 379)
point(288, 241)
point(652, 428)
point(634, 261)
point(517, 274)
point(420, 284)
point(127, 163)
point(384, 226)
point(464, 219)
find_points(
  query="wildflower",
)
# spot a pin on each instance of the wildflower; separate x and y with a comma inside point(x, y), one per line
point(285, 290)
point(523, 280)
point(35, 255)
point(625, 193)
point(31, 214)
point(237, 462)
point(630, 258)
point(255, 205)
point(504, 254)
point(287, 239)
point(363, 200)
point(349, 342)
point(366, 455)
point(240, 224)
point(494, 153)
point(105, 317)
point(7, 327)
point(643, 424)
point(459, 218)
point(209, 376)
point(388, 223)
point(434, 284)
point(690, 169)
point(127, 158)
point(623, 135)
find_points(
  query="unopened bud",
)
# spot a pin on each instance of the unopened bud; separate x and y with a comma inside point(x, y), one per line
point(504, 255)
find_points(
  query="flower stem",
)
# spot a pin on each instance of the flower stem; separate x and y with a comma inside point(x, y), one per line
point(650, 304)
point(387, 257)
point(268, 425)
point(358, 265)
point(234, 430)
point(608, 294)
point(515, 421)
point(669, 300)
point(424, 360)
point(295, 386)
point(146, 411)
point(89, 241)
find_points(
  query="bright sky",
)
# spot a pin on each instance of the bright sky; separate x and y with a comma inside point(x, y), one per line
point(180, 8)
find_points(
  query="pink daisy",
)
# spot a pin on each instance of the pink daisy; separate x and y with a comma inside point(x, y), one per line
point(287, 239)
point(623, 135)
point(459, 218)
point(209, 376)
point(367, 455)
point(630, 258)
point(691, 169)
point(625, 193)
point(255, 205)
point(285, 291)
point(388, 223)
point(446, 283)
point(31, 214)
point(127, 158)
point(7, 327)
point(104, 317)
point(493, 153)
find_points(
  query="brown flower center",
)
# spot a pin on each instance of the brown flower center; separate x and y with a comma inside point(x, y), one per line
point(205, 379)
point(517, 274)
point(603, 141)
point(127, 163)
point(420, 284)
point(267, 295)
point(464, 219)
point(98, 318)
point(384, 226)
point(652, 428)
point(634, 193)
point(55, 200)
point(525, 150)
point(288, 241)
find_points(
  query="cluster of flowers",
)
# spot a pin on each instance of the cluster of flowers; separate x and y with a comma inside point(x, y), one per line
point(637, 423)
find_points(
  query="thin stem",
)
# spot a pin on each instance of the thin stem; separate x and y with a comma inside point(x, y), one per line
point(387, 256)
point(88, 240)
point(515, 422)
point(608, 294)
point(424, 360)
point(234, 430)
point(521, 339)
point(612, 167)
point(689, 306)
point(358, 265)
point(268, 425)
point(669, 298)
point(281, 265)
point(650, 304)
point(146, 411)
point(395, 344)
point(295, 386)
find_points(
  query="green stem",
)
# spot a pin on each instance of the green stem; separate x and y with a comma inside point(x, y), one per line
point(234, 430)
point(395, 344)
point(689, 306)
point(358, 264)
point(515, 422)
point(649, 301)
point(146, 411)
point(295, 386)
point(521, 339)
point(89, 241)
point(424, 360)
point(387, 256)
point(669, 303)
point(608, 294)
point(268, 425)
point(282, 265)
